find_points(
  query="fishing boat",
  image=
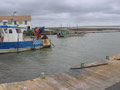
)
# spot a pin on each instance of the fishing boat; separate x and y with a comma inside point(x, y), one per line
point(12, 39)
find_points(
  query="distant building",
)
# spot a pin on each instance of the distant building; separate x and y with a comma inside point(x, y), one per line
point(21, 21)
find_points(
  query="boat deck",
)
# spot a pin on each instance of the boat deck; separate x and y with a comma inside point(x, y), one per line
point(89, 78)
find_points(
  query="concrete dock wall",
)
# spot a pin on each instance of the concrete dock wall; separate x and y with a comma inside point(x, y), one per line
point(94, 78)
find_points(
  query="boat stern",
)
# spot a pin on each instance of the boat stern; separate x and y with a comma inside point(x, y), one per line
point(46, 43)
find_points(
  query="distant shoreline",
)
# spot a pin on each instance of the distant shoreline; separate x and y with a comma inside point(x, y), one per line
point(86, 28)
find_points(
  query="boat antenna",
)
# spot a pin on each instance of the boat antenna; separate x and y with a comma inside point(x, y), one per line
point(13, 15)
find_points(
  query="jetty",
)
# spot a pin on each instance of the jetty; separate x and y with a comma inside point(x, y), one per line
point(95, 76)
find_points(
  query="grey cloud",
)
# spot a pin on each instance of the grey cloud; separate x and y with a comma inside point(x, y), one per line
point(56, 12)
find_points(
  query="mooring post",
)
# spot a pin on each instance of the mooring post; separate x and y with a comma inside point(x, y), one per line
point(42, 75)
point(82, 64)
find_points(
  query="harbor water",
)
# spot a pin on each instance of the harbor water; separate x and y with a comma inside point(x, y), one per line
point(64, 54)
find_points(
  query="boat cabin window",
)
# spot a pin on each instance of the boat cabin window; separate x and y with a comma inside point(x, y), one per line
point(5, 30)
point(25, 22)
point(10, 31)
point(18, 30)
point(15, 23)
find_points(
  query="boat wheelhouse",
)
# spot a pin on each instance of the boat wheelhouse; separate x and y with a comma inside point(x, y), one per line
point(12, 40)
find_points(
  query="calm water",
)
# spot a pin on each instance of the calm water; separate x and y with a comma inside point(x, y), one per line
point(68, 52)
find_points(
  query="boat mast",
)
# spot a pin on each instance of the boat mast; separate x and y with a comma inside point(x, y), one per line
point(18, 31)
point(18, 40)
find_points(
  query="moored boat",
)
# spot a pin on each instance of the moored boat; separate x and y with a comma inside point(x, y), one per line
point(12, 39)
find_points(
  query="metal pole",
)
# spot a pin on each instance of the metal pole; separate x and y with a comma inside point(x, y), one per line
point(18, 43)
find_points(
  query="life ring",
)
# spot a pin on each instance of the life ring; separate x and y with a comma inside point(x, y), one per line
point(2, 38)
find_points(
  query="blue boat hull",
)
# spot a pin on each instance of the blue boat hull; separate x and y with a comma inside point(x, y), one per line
point(6, 47)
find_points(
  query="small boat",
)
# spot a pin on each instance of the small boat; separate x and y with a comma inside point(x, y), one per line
point(12, 39)
point(62, 33)
point(69, 33)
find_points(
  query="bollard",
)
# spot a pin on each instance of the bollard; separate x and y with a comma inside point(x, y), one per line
point(82, 64)
point(24, 88)
point(42, 75)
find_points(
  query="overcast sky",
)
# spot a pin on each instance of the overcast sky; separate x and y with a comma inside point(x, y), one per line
point(71, 12)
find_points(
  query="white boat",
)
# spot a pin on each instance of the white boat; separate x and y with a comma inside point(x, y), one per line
point(12, 40)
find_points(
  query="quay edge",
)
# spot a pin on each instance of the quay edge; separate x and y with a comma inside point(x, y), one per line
point(94, 78)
